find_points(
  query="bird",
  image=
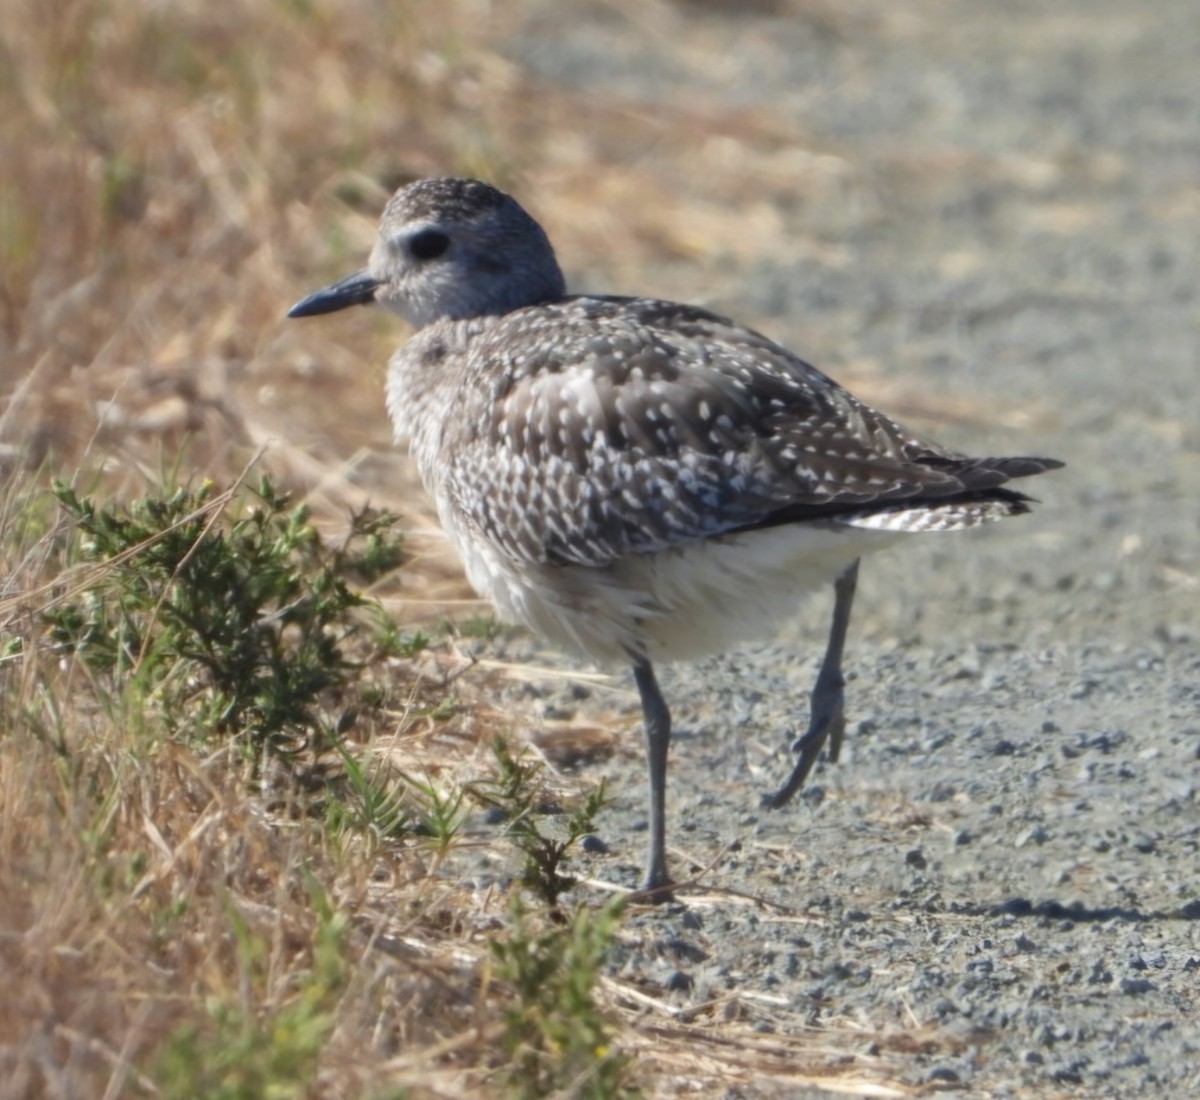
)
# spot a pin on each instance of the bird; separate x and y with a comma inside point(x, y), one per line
point(639, 480)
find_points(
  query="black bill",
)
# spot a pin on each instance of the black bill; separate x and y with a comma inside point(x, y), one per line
point(355, 290)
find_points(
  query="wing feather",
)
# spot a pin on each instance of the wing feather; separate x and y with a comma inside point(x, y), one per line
point(628, 426)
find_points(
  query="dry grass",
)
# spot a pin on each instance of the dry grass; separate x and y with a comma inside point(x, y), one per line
point(174, 176)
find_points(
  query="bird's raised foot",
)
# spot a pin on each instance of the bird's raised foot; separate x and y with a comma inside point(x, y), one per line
point(828, 723)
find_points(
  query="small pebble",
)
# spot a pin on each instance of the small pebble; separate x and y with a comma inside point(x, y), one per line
point(1132, 987)
point(679, 982)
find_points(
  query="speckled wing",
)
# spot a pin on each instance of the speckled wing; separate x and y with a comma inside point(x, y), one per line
point(594, 428)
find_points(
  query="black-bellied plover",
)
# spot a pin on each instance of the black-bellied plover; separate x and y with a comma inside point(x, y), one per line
point(635, 479)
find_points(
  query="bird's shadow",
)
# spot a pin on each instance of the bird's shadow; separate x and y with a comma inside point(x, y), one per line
point(1077, 911)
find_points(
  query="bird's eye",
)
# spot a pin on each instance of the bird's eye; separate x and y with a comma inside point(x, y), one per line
point(428, 244)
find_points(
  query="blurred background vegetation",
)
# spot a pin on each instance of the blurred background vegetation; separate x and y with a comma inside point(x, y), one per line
point(176, 174)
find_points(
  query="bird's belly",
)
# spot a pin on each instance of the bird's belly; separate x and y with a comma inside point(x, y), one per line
point(722, 593)
point(680, 604)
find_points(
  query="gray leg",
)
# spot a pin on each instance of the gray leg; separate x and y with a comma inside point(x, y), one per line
point(658, 740)
point(828, 718)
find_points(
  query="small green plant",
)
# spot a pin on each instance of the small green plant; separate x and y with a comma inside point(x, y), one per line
point(390, 805)
point(445, 708)
point(230, 626)
point(485, 628)
point(440, 813)
point(556, 1038)
point(517, 793)
point(370, 802)
point(391, 641)
point(244, 1053)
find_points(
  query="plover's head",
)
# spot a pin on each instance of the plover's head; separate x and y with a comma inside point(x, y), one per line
point(449, 248)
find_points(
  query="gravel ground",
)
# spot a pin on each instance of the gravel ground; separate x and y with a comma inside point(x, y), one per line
point(1003, 867)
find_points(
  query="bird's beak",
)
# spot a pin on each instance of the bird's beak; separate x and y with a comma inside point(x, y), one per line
point(355, 290)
